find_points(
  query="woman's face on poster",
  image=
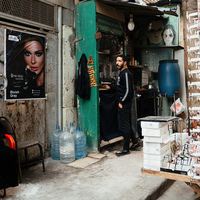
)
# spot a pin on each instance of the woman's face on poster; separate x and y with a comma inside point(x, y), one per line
point(168, 36)
point(34, 56)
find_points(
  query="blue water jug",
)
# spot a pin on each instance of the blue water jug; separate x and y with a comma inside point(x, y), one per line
point(80, 144)
point(67, 149)
point(55, 147)
point(72, 128)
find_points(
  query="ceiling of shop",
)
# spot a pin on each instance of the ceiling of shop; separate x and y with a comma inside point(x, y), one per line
point(137, 9)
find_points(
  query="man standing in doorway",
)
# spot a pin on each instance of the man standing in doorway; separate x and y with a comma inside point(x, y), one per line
point(124, 93)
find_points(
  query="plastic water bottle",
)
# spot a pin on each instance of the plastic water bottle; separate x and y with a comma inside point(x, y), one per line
point(72, 128)
point(67, 149)
point(55, 147)
point(80, 144)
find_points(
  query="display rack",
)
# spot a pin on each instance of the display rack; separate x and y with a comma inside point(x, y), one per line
point(193, 82)
point(137, 66)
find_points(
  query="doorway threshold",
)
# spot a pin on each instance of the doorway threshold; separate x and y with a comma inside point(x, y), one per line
point(105, 143)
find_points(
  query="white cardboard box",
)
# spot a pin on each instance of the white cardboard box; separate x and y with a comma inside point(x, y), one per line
point(156, 131)
point(156, 157)
point(153, 148)
point(162, 139)
point(154, 145)
point(154, 168)
point(155, 163)
point(177, 137)
point(153, 125)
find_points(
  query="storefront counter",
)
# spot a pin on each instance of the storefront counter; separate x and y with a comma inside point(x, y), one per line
point(108, 116)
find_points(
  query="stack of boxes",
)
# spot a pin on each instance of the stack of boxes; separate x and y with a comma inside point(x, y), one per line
point(156, 144)
point(178, 136)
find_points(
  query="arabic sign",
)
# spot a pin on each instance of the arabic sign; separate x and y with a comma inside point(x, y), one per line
point(91, 72)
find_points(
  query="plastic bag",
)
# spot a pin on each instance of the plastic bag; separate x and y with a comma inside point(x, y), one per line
point(179, 107)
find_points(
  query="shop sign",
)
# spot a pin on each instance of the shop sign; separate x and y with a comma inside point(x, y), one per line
point(91, 72)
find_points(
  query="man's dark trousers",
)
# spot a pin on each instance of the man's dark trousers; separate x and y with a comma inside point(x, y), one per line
point(125, 123)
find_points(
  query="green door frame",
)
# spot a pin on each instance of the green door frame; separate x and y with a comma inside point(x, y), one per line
point(88, 110)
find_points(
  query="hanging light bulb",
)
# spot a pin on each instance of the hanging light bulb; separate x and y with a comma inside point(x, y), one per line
point(131, 24)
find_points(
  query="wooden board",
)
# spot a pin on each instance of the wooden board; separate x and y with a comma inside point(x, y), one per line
point(177, 177)
point(195, 187)
point(172, 176)
point(109, 11)
point(117, 139)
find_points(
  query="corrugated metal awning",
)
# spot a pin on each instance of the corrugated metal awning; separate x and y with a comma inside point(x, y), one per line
point(137, 9)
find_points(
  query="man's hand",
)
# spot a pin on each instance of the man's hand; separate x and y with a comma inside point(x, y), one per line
point(120, 105)
point(106, 86)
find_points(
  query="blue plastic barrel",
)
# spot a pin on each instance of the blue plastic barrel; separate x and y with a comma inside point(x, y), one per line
point(168, 77)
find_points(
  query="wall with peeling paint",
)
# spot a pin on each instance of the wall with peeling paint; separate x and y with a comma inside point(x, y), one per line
point(190, 6)
point(34, 119)
point(37, 119)
point(68, 68)
point(51, 88)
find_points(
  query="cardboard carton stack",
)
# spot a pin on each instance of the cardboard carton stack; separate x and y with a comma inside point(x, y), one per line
point(156, 144)
point(178, 136)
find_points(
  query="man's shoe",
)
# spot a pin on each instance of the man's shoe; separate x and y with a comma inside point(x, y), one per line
point(122, 152)
point(136, 147)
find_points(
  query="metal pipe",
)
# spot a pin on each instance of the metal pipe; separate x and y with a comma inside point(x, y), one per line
point(59, 113)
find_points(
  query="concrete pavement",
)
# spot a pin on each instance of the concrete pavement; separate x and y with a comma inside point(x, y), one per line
point(101, 176)
point(179, 191)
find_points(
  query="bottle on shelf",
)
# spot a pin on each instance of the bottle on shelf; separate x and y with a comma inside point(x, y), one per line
point(80, 144)
point(55, 147)
point(67, 149)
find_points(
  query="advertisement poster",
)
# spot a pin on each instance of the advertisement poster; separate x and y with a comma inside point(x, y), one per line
point(24, 65)
point(156, 31)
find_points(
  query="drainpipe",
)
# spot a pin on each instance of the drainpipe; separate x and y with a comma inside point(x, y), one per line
point(59, 65)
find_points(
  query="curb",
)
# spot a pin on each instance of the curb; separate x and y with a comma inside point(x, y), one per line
point(155, 194)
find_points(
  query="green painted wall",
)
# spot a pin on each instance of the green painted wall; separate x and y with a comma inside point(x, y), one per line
point(88, 110)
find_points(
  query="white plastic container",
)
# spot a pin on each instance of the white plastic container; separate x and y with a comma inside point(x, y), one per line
point(156, 157)
point(155, 164)
point(154, 168)
point(155, 148)
point(162, 139)
point(155, 131)
point(177, 137)
point(153, 125)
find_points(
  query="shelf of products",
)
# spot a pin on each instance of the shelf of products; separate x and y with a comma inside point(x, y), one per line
point(136, 67)
point(108, 54)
